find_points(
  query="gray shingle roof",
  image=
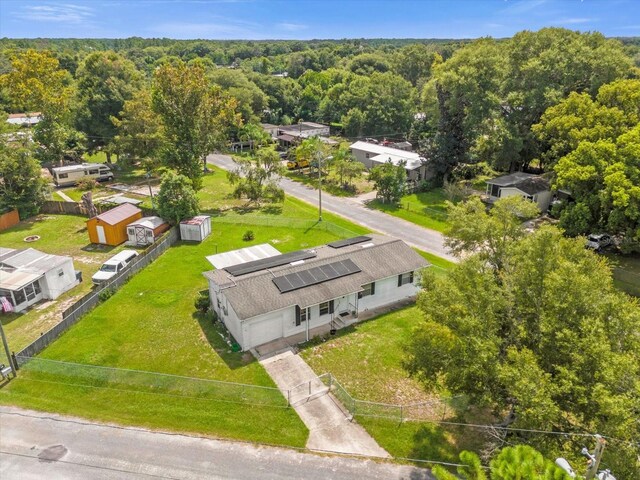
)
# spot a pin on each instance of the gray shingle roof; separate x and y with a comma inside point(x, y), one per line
point(527, 182)
point(256, 294)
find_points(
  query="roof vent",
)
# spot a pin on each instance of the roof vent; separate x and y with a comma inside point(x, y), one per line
point(367, 245)
point(297, 262)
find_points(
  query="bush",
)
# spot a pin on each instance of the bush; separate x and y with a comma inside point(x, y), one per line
point(248, 236)
point(106, 294)
point(87, 184)
point(203, 302)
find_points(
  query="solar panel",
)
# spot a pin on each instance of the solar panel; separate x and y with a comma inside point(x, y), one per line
point(270, 262)
point(349, 241)
point(315, 275)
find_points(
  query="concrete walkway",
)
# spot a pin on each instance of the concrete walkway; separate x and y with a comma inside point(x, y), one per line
point(329, 428)
point(65, 197)
point(419, 237)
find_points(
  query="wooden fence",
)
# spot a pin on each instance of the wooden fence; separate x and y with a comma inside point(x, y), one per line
point(73, 208)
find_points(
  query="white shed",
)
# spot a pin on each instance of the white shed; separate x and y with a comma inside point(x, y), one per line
point(195, 229)
point(146, 230)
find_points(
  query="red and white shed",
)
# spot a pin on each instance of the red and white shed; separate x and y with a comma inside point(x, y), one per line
point(195, 229)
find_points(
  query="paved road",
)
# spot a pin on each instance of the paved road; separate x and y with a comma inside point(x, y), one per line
point(416, 236)
point(38, 445)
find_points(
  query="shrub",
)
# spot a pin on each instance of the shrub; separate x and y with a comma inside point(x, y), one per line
point(87, 184)
point(203, 302)
point(248, 236)
point(106, 294)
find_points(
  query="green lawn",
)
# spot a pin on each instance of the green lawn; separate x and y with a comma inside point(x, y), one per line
point(331, 183)
point(150, 324)
point(426, 209)
point(626, 273)
point(367, 361)
point(59, 235)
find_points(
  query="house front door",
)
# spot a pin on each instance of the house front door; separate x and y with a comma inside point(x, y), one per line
point(101, 236)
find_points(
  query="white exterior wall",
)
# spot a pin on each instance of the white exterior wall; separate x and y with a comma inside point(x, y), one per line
point(361, 156)
point(543, 199)
point(53, 284)
point(230, 319)
point(387, 291)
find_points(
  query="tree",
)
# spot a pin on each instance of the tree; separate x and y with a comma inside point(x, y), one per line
point(545, 340)
point(488, 234)
point(390, 181)
point(197, 117)
point(512, 463)
point(346, 166)
point(176, 199)
point(106, 81)
point(21, 183)
point(257, 178)
point(139, 130)
point(255, 135)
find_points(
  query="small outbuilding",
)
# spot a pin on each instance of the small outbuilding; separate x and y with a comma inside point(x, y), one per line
point(146, 230)
point(195, 229)
point(110, 227)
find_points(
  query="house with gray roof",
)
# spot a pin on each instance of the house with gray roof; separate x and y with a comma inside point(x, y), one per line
point(29, 275)
point(527, 185)
point(279, 296)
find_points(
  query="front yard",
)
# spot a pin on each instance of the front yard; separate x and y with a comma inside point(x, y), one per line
point(367, 361)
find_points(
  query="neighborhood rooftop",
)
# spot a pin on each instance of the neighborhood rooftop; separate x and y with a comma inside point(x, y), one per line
point(527, 182)
point(18, 267)
point(256, 293)
point(118, 214)
point(382, 154)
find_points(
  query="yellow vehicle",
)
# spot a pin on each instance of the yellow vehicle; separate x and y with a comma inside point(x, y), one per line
point(296, 164)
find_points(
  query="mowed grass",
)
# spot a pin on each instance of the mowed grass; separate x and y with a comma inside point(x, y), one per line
point(626, 273)
point(426, 209)
point(331, 182)
point(367, 361)
point(150, 324)
point(59, 235)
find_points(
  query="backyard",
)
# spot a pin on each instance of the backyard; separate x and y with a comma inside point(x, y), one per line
point(366, 359)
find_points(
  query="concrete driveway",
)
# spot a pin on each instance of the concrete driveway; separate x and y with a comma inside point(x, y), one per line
point(419, 237)
point(36, 445)
point(329, 427)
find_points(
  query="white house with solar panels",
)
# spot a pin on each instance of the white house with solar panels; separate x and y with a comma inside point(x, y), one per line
point(263, 295)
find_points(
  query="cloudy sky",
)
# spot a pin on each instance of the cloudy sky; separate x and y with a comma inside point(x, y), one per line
point(308, 19)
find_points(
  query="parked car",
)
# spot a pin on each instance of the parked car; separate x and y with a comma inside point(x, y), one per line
point(598, 242)
point(114, 266)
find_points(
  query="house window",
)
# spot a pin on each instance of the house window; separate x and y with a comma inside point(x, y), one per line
point(93, 172)
point(149, 234)
point(405, 278)
point(131, 231)
point(302, 315)
point(368, 289)
point(495, 190)
point(326, 308)
point(19, 297)
point(63, 175)
point(367, 155)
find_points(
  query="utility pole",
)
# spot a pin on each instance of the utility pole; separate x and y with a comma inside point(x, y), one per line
point(320, 187)
point(594, 460)
point(6, 349)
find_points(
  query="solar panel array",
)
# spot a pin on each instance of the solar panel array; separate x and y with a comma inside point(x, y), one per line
point(315, 275)
point(349, 241)
point(269, 262)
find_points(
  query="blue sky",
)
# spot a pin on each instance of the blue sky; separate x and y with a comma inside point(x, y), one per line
point(308, 19)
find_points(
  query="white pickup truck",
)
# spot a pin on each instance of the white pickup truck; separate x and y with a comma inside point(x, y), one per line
point(114, 266)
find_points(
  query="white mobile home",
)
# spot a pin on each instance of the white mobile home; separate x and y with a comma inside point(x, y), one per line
point(28, 276)
point(284, 295)
point(372, 155)
point(72, 174)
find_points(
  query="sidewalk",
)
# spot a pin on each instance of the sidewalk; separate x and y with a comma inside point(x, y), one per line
point(329, 428)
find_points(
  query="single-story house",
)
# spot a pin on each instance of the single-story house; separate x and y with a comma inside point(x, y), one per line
point(305, 129)
point(110, 227)
point(270, 129)
point(527, 185)
point(146, 230)
point(24, 119)
point(29, 275)
point(287, 294)
point(372, 155)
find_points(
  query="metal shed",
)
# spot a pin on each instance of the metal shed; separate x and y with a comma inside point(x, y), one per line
point(195, 229)
point(146, 230)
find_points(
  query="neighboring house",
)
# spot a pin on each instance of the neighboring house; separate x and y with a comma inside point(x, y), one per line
point(146, 230)
point(527, 185)
point(270, 129)
point(24, 119)
point(28, 276)
point(110, 227)
point(289, 135)
point(287, 294)
point(372, 155)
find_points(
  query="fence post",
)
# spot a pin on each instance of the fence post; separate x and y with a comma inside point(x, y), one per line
point(288, 398)
point(401, 414)
point(309, 387)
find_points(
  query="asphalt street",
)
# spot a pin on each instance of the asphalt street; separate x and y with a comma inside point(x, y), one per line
point(414, 235)
point(37, 445)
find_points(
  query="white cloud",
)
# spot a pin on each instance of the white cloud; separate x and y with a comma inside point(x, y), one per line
point(60, 13)
point(291, 27)
point(515, 7)
point(572, 21)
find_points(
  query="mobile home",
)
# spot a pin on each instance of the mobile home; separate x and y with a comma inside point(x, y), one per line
point(72, 174)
